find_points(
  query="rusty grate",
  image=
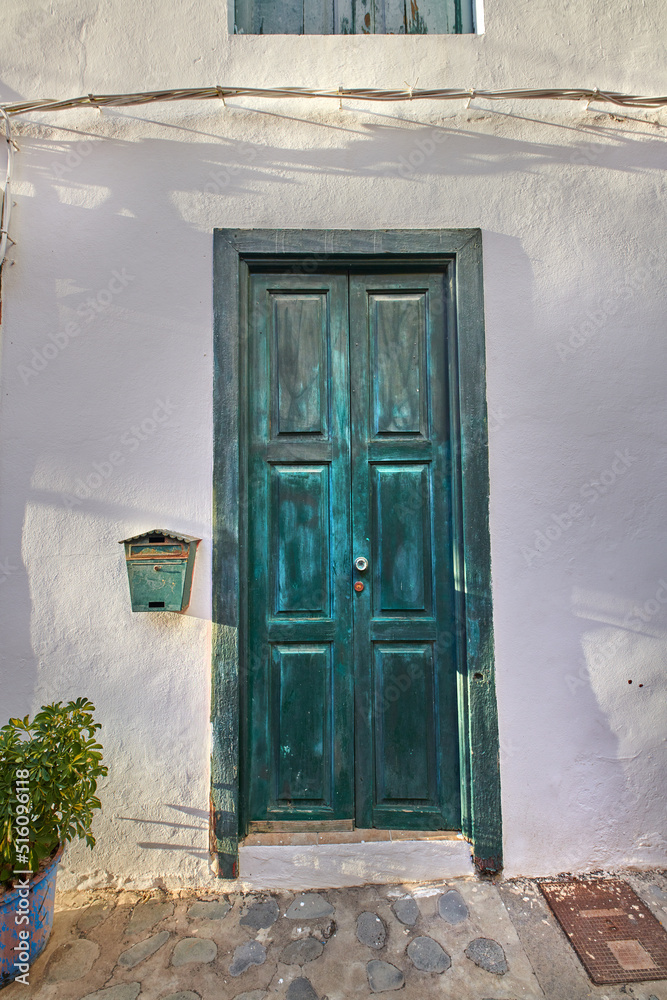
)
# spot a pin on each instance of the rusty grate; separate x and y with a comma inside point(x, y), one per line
point(612, 931)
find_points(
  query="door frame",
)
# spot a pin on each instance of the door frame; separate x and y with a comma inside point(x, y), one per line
point(236, 251)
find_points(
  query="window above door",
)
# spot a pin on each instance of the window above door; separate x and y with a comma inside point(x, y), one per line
point(353, 17)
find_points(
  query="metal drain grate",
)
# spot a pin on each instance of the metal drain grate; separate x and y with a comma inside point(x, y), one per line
point(614, 934)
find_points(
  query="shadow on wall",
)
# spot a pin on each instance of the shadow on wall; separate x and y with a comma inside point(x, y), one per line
point(195, 849)
point(119, 245)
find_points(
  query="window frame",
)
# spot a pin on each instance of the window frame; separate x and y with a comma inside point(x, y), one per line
point(343, 19)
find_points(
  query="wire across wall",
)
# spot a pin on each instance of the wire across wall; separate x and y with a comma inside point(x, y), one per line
point(100, 101)
point(352, 93)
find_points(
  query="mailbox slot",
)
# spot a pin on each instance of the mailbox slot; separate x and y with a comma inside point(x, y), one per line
point(165, 551)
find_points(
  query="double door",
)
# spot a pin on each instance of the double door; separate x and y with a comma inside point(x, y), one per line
point(350, 650)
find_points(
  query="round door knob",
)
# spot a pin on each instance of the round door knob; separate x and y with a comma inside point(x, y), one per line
point(361, 563)
point(358, 586)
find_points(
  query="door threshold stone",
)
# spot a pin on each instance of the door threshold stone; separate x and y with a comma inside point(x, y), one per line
point(337, 865)
point(292, 837)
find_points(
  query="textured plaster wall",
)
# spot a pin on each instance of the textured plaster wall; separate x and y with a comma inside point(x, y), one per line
point(106, 381)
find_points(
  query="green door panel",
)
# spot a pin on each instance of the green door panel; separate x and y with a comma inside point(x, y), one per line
point(301, 542)
point(301, 707)
point(403, 686)
point(407, 772)
point(401, 505)
point(299, 365)
point(299, 686)
point(397, 364)
point(351, 695)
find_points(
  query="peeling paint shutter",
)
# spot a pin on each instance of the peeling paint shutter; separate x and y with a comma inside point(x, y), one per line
point(345, 17)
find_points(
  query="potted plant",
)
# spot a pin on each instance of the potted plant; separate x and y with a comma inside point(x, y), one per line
point(48, 779)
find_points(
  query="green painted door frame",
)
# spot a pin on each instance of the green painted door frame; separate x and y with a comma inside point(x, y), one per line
point(237, 253)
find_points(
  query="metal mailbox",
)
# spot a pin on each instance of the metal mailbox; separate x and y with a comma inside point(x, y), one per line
point(159, 567)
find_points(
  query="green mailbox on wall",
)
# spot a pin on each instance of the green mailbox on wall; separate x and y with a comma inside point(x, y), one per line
point(159, 567)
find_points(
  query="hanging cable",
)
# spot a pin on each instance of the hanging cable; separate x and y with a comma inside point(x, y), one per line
point(6, 197)
point(217, 93)
point(411, 93)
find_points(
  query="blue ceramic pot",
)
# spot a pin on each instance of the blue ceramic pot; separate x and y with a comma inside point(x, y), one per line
point(18, 950)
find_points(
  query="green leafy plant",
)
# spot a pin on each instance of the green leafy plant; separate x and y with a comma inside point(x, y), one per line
point(60, 762)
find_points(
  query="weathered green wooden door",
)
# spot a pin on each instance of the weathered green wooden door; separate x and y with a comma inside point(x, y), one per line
point(351, 669)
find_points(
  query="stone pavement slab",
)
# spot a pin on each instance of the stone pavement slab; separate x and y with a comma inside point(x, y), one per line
point(147, 915)
point(192, 951)
point(309, 906)
point(406, 910)
point(557, 968)
point(94, 915)
point(384, 977)
point(125, 991)
point(246, 955)
point(302, 951)
point(142, 950)
point(488, 955)
point(466, 939)
point(452, 908)
point(371, 931)
point(209, 910)
point(70, 960)
point(301, 989)
point(261, 914)
point(428, 956)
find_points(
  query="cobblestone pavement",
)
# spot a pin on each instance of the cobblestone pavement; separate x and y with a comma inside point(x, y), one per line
point(464, 940)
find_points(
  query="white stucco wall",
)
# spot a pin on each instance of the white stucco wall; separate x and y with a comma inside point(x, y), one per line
point(571, 204)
